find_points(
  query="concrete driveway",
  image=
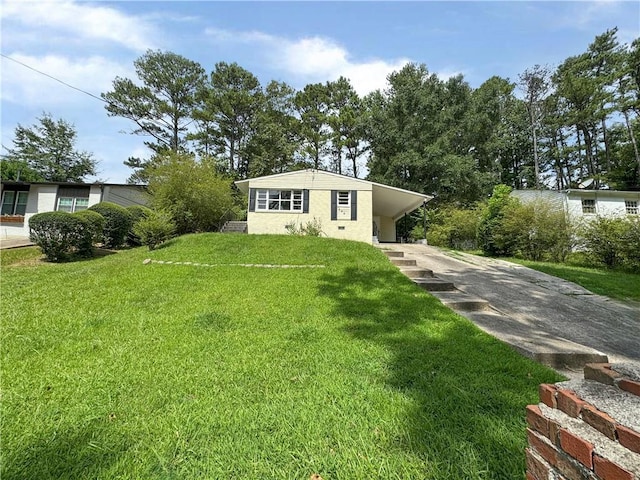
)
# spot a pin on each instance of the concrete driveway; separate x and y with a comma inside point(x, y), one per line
point(534, 312)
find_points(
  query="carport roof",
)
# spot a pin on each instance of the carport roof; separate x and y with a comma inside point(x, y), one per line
point(387, 201)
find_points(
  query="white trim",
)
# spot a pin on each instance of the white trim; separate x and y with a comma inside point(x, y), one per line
point(264, 197)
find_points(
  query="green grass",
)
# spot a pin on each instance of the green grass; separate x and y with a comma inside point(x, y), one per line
point(611, 283)
point(115, 369)
point(13, 256)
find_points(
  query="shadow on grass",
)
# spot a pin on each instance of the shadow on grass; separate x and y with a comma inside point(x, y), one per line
point(82, 453)
point(467, 391)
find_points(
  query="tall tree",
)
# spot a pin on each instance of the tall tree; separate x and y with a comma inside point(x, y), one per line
point(161, 103)
point(274, 143)
point(48, 150)
point(312, 105)
point(627, 101)
point(535, 84)
point(228, 107)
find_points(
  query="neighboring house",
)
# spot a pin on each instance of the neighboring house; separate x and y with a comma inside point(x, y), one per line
point(346, 207)
point(22, 200)
point(581, 204)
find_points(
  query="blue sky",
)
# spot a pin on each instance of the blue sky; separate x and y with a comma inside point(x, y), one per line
point(88, 44)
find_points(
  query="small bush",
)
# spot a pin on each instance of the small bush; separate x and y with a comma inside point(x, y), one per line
point(312, 228)
point(156, 228)
point(137, 212)
point(491, 237)
point(61, 234)
point(630, 245)
point(606, 241)
point(96, 223)
point(455, 228)
point(536, 231)
point(116, 225)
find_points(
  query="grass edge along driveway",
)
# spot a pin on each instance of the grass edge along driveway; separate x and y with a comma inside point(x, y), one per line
point(115, 369)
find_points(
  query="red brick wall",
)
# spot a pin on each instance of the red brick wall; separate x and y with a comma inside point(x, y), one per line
point(571, 439)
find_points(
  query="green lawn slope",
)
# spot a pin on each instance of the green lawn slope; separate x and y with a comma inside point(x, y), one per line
point(112, 368)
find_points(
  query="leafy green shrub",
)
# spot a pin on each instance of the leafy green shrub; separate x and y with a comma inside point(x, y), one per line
point(61, 234)
point(95, 221)
point(154, 229)
point(609, 241)
point(455, 228)
point(137, 212)
point(630, 245)
point(195, 193)
point(491, 237)
point(117, 223)
point(537, 231)
point(312, 228)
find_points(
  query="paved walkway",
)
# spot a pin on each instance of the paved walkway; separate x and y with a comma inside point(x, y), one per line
point(532, 310)
point(14, 242)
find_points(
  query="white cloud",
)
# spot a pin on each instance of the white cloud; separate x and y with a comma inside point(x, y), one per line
point(316, 59)
point(24, 86)
point(81, 21)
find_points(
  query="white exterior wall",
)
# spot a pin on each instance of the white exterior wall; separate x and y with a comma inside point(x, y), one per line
point(42, 198)
point(320, 186)
point(608, 203)
point(387, 229)
point(274, 222)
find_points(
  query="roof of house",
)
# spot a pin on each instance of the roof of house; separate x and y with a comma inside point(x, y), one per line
point(387, 201)
point(73, 184)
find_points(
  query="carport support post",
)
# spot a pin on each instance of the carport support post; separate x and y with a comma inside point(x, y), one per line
point(424, 219)
point(406, 233)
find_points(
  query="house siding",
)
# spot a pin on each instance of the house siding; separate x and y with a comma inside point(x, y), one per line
point(312, 180)
point(43, 198)
point(608, 203)
point(274, 222)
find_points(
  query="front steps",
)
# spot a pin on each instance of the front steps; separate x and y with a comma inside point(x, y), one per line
point(442, 289)
point(522, 336)
point(234, 226)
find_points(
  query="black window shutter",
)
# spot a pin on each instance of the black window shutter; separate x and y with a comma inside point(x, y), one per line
point(305, 201)
point(354, 204)
point(334, 204)
point(252, 199)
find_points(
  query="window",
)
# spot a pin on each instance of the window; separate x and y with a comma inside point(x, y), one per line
point(631, 207)
point(343, 199)
point(72, 199)
point(588, 205)
point(281, 200)
point(344, 204)
point(14, 202)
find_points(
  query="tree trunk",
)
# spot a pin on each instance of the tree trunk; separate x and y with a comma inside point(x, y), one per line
point(605, 139)
point(566, 158)
point(232, 152)
point(535, 157)
point(588, 148)
point(633, 140)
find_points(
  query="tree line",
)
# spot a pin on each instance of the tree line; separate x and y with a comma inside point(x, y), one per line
point(573, 125)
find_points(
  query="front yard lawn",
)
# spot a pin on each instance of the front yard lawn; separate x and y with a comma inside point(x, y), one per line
point(116, 369)
point(611, 283)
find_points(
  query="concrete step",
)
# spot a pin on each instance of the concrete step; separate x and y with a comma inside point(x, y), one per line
point(527, 339)
point(434, 284)
point(417, 272)
point(393, 254)
point(234, 226)
point(403, 262)
point(462, 301)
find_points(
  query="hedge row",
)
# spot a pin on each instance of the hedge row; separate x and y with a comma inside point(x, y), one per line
point(61, 235)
